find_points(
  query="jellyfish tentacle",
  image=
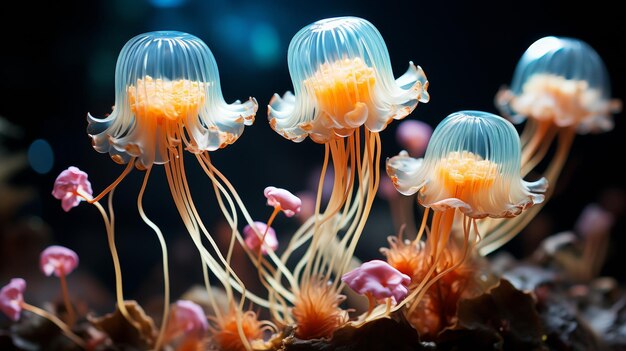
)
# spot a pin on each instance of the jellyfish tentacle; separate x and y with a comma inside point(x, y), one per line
point(506, 231)
point(364, 198)
point(342, 191)
point(264, 277)
point(467, 246)
point(194, 228)
point(129, 167)
point(371, 177)
point(193, 222)
point(420, 232)
point(58, 322)
point(539, 154)
point(166, 276)
point(246, 215)
point(271, 285)
point(439, 234)
point(259, 258)
point(109, 226)
point(535, 142)
point(221, 191)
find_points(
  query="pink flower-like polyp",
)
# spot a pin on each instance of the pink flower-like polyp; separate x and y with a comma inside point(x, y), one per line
point(68, 184)
point(414, 135)
point(188, 317)
point(11, 298)
point(289, 203)
point(58, 260)
point(254, 242)
point(379, 279)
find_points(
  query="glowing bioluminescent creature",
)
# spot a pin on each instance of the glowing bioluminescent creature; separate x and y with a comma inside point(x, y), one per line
point(471, 170)
point(560, 87)
point(344, 95)
point(168, 98)
point(167, 94)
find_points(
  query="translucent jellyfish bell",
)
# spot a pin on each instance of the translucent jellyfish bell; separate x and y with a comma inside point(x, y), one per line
point(563, 80)
point(167, 91)
point(472, 163)
point(342, 79)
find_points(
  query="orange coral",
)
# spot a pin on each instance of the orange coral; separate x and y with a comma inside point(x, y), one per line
point(436, 309)
point(317, 311)
point(225, 334)
point(403, 255)
point(192, 344)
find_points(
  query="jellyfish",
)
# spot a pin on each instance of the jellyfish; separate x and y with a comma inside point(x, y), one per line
point(471, 171)
point(560, 87)
point(344, 95)
point(168, 98)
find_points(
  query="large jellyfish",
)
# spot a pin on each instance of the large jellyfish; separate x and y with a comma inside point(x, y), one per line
point(168, 97)
point(560, 87)
point(471, 171)
point(344, 95)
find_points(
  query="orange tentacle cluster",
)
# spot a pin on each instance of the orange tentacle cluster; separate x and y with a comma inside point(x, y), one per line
point(317, 311)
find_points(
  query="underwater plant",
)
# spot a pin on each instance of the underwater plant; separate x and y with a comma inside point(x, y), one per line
point(60, 261)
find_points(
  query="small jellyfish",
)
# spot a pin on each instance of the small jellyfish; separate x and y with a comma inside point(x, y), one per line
point(168, 98)
point(560, 87)
point(345, 94)
point(471, 170)
point(561, 81)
